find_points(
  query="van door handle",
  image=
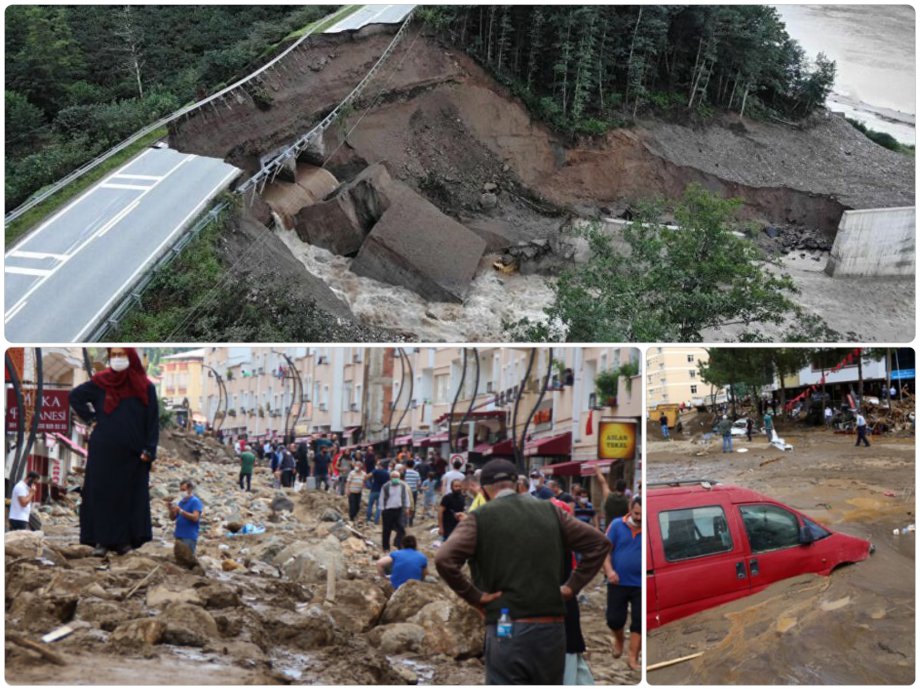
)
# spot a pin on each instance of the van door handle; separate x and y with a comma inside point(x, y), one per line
point(755, 567)
point(740, 571)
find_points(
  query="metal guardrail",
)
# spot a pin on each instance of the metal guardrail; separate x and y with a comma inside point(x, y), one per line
point(48, 192)
point(269, 170)
point(132, 297)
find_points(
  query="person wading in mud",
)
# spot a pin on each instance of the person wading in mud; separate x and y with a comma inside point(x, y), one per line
point(515, 547)
point(624, 582)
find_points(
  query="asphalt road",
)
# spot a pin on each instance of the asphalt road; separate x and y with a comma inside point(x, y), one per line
point(66, 274)
point(372, 14)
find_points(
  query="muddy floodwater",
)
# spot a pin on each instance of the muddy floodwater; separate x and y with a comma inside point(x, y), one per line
point(853, 627)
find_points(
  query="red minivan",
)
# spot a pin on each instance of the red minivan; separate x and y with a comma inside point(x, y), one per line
point(709, 543)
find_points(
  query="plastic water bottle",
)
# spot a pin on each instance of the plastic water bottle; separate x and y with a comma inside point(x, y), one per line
point(503, 630)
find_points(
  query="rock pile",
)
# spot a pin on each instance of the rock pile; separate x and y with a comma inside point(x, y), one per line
point(300, 601)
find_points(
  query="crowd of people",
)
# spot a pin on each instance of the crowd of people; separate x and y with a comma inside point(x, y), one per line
point(401, 488)
point(532, 544)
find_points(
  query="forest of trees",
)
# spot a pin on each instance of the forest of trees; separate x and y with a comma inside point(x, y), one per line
point(584, 68)
point(81, 78)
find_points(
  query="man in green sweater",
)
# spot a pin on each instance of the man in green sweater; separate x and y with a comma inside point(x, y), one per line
point(515, 547)
point(247, 462)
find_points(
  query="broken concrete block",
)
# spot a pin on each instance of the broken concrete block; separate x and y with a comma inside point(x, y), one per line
point(341, 221)
point(416, 246)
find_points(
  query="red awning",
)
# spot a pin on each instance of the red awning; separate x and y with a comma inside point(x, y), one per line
point(70, 444)
point(504, 448)
point(403, 440)
point(587, 468)
point(349, 430)
point(474, 415)
point(434, 440)
point(482, 447)
point(562, 469)
point(561, 444)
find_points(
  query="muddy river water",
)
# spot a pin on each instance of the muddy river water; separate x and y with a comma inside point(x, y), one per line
point(853, 627)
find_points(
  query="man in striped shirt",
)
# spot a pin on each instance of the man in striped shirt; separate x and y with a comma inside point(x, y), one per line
point(413, 479)
point(354, 487)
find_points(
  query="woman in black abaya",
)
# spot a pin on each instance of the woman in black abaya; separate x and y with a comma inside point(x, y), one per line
point(120, 405)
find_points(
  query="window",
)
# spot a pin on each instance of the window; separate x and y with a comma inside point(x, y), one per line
point(692, 374)
point(690, 358)
point(769, 527)
point(694, 532)
point(817, 531)
point(693, 390)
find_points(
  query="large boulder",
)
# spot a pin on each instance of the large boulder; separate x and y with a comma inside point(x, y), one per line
point(418, 247)
point(163, 595)
point(340, 223)
point(139, 632)
point(190, 618)
point(309, 562)
point(23, 544)
point(398, 638)
point(358, 605)
point(300, 629)
point(106, 615)
point(451, 627)
point(411, 598)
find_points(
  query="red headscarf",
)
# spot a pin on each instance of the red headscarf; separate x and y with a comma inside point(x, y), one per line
point(118, 385)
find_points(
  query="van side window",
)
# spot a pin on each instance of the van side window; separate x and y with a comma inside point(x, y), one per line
point(694, 532)
point(769, 527)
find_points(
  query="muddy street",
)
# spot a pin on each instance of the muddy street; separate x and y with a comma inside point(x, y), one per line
point(299, 603)
point(855, 626)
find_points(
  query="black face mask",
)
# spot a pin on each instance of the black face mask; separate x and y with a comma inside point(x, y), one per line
point(457, 492)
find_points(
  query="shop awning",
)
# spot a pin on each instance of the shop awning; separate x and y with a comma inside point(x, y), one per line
point(473, 416)
point(587, 468)
point(403, 440)
point(504, 448)
point(434, 440)
point(482, 447)
point(562, 469)
point(561, 444)
point(70, 444)
point(351, 429)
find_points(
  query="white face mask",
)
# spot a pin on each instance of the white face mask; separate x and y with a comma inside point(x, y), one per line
point(119, 363)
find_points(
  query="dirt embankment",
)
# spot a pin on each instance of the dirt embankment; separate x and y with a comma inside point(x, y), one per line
point(445, 127)
point(300, 603)
point(855, 626)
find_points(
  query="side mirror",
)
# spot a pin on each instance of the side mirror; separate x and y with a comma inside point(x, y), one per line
point(806, 536)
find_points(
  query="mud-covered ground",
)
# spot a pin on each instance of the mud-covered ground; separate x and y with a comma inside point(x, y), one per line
point(258, 609)
point(853, 627)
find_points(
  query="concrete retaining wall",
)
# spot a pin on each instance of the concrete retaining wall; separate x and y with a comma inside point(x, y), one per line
point(875, 242)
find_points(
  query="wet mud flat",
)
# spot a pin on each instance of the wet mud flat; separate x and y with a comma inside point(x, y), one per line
point(855, 626)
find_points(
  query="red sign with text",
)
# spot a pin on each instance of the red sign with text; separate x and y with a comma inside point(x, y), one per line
point(55, 416)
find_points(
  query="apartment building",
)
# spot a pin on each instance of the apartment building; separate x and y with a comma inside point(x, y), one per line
point(180, 380)
point(672, 376)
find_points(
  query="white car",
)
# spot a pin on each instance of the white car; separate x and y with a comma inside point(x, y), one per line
point(739, 428)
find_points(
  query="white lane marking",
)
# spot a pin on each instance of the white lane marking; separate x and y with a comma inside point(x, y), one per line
point(19, 254)
point(73, 203)
point(117, 218)
point(80, 247)
point(139, 177)
point(115, 185)
point(15, 310)
point(22, 270)
point(130, 281)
